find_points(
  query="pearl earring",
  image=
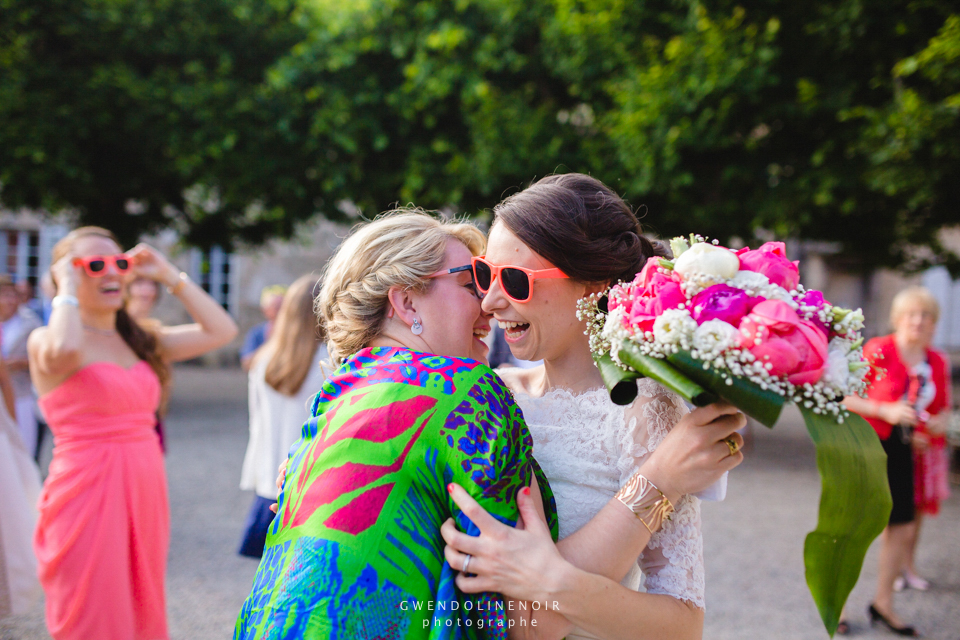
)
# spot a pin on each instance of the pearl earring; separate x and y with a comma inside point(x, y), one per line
point(417, 328)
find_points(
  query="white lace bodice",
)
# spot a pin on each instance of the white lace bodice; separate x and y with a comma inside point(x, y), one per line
point(588, 447)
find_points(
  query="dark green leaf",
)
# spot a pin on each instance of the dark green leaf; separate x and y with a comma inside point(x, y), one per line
point(761, 405)
point(855, 505)
point(665, 374)
point(621, 383)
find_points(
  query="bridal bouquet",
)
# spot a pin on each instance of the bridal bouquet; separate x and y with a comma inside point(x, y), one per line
point(738, 325)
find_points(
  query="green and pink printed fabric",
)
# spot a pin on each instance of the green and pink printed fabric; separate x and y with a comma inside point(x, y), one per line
point(355, 551)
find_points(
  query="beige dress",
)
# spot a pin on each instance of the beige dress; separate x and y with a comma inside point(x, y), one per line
point(19, 490)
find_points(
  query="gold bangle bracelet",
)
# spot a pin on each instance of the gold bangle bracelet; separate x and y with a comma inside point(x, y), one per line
point(646, 501)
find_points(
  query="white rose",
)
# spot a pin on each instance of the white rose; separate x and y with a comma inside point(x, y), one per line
point(709, 260)
point(673, 326)
point(714, 337)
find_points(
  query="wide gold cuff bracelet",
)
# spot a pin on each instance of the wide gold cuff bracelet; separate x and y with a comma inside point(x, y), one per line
point(646, 501)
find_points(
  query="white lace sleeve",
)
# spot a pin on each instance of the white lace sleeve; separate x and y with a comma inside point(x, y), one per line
point(672, 563)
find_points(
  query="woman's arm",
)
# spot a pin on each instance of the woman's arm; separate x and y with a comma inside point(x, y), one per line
point(525, 564)
point(891, 412)
point(690, 458)
point(213, 327)
point(57, 349)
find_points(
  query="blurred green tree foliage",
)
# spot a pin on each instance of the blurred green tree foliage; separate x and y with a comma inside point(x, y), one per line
point(830, 120)
point(110, 106)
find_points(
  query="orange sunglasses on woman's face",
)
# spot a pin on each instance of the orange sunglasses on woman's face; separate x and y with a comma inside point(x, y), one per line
point(516, 282)
point(96, 266)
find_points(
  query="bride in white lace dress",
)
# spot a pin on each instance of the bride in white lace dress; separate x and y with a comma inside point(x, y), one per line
point(588, 447)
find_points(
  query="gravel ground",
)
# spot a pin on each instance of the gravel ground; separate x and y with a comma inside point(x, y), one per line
point(753, 540)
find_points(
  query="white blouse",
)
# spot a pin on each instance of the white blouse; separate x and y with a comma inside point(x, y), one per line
point(275, 423)
point(588, 447)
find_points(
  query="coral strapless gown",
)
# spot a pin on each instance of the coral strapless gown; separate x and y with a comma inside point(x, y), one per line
point(104, 524)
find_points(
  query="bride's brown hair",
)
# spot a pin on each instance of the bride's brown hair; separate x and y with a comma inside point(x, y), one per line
point(143, 343)
point(581, 226)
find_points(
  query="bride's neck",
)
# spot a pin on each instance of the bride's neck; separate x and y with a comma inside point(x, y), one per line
point(573, 369)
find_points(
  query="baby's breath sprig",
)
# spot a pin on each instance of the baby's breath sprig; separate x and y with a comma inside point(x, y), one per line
point(588, 311)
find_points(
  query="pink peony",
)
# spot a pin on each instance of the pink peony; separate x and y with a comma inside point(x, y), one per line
point(794, 347)
point(722, 302)
point(661, 293)
point(646, 274)
point(815, 299)
point(771, 260)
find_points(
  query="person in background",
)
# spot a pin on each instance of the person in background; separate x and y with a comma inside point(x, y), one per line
point(287, 371)
point(908, 406)
point(500, 354)
point(19, 489)
point(47, 291)
point(104, 523)
point(25, 291)
point(270, 300)
point(142, 296)
point(17, 323)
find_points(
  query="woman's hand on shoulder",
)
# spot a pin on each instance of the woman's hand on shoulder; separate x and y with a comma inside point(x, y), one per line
point(521, 562)
point(281, 476)
point(696, 453)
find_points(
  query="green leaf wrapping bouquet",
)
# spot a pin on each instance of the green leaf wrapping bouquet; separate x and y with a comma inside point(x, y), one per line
point(714, 323)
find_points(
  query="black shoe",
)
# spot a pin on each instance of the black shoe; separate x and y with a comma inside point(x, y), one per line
point(876, 616)
point(843, 628)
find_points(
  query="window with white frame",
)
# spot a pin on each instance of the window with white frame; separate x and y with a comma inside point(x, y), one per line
point(215, 271)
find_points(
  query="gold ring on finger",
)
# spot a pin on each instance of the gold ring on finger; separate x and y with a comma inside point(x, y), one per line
point(733, 445)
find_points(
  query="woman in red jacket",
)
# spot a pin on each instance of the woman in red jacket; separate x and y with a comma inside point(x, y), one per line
point(907, 403)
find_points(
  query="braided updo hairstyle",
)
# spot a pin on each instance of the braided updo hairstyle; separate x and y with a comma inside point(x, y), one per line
point(398, 249)
point(581, 226)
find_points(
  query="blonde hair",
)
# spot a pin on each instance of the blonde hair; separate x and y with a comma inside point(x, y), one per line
point(398, 249)
point(268, 293)
point(295, 328)
point(910, 295)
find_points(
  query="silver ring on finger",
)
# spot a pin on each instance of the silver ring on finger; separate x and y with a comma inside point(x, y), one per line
point(466, 563)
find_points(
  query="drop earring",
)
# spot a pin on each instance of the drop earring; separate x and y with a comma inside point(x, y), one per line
point(417, 328)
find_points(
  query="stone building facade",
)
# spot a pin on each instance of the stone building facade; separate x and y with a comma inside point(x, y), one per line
point(236, 279)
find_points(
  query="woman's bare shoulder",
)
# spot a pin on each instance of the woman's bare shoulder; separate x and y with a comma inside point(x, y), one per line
point(517, 380)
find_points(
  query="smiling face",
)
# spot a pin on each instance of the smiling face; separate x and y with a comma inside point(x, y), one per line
point(106, 292)
point(916, 323)
point(546, 326)
point(453, 323)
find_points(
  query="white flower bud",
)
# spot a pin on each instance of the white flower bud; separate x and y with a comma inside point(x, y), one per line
point(708, 260)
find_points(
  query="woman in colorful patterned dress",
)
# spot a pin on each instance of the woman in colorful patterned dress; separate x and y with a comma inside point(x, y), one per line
point(355, 550)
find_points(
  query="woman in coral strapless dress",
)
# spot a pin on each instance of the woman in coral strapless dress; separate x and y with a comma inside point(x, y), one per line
point(104, 526)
